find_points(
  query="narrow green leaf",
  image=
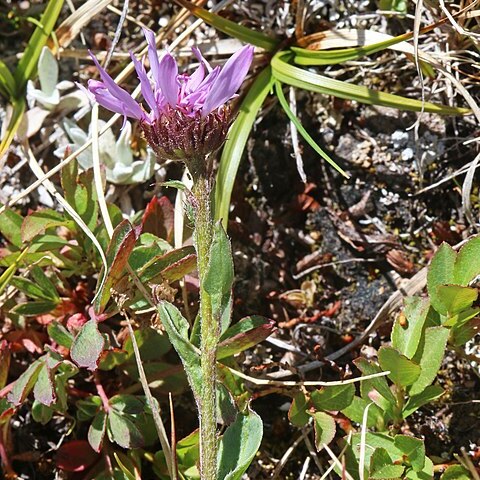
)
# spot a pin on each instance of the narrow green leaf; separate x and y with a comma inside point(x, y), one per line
point(430, 393)
point(231, 28)
point(440, 272)
point(25, 383)
point(44, 390)
point(456, 298)
point(176, 327)
point(59, 334)
point(7, 275)
point(340, 55)
point(159, 265)
point(467, 263)
point(7, 82)
point(236, 141)
point(88, 407)
point(379, 383)
point(462, 333)
point(303, 132)
point(41, 413)
point(403, 371)
point(247, 333)
point(32, 309)
point(356, 409)
point(33, 290)
point(333, 398)
point(298, 412)
point(123, 431)
point(80, 193)
point(44, 283)
point(407, 331)
point(121, 245)
point(88, 346)
point(18, 109)
point(28, 63)
point(37, 222)
point(238, 446)
point(430, 357)
point(226, 408)
point(298, 77)
point(324, 426)
point(218, 279)
point(10, 226)
point(96, 432)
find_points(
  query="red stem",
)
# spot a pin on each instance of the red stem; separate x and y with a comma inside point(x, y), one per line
point(101, 392)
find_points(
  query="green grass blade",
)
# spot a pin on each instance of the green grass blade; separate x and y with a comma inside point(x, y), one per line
point(298, 77)
point(237, 139)
point(230, 28)
point(18, 105)
point(340, 55)
point(28, 63)
point(7, 82)
point(302, 131)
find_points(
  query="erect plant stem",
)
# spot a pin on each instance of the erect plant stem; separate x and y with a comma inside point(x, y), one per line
point(209, 330)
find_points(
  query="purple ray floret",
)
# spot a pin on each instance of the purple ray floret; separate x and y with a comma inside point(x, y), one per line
point(164, 89)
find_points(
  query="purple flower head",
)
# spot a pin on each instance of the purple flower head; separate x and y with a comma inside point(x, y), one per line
point(187, 115)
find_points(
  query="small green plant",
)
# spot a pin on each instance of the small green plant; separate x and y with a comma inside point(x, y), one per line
point(50, 94)
point(115, 154)
point(13, 85)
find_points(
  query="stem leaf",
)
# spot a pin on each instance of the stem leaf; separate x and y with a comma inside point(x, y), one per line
point(238, 446)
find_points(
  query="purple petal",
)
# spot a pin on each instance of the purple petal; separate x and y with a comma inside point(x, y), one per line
point(145, 85)
point(195, 79)
point(105, 98)
point(125, 103)
point(152, 55)
point(167, 79)
point(196, 51)
point(229, 80)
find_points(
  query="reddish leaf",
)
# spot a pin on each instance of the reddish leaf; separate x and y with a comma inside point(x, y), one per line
point(4, 362)
point(37, 222)
point(44, 390)
point(119, 249)
point(158, 218)
point(179, 269)
point(75, 456)
point(25, 383)
point(161, 263)
point(245, 334)
point(87, 346)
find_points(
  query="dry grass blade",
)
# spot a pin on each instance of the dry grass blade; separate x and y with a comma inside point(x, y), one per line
point(467, 190)
point(287, 383)
point(37, 171)
point(342, 452)
point(337, 463)
point(97, 173)
point(475, 37)
point(294, 134)
point(72, 26)
point(363, 442)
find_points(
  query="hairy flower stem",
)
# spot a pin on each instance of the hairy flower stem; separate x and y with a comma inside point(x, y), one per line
point(209, 329)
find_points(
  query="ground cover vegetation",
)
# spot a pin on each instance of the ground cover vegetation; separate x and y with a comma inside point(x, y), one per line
point(239, 240)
